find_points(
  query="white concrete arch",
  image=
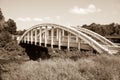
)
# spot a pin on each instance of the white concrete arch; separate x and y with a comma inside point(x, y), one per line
point(96, 35)
point(45, 33)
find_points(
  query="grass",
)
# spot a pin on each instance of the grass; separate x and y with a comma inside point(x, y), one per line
point(99, 67)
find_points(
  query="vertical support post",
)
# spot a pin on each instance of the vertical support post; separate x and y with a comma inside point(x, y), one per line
point(35, 36)
point(28, 37)
point(24, 39)
point(79, 42)
point(59, 43)
point(40, 38)
point(63, 34)
point(79, 45)
point(46, 36)
point(69, 37)
point(31, 37)
point(76, 38)
point(43, 35)
point(57, 33)
point(52, 34)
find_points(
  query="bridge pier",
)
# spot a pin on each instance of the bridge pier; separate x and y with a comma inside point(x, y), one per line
point(68, 44)
point(79, 42)
point(28, 37)
point(79, 45)
point(31, 37)
point(46, 36)
point(40, 36)
point(52, 34)
point(57, 34)
point(24, 40)
point(63, 33)
point(59, 41)
point(35, 36)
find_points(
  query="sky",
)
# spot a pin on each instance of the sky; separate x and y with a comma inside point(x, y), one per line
point(27, 13)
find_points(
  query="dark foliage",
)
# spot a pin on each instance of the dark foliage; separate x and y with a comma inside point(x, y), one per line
point(9, 48)
point(104, 30)
point(5, 37)
point(10, 26)
point(1, 15)
point(20, 32)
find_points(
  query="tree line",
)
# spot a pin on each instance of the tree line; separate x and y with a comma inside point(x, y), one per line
point(8, 46)
point(112, 29)
point(7, 29)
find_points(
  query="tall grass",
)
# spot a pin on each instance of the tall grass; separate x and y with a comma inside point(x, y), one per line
point(100, 67)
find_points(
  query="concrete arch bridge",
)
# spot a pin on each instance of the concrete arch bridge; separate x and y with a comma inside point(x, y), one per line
point(48, 34)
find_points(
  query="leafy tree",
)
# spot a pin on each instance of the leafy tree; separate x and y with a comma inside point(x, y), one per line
point(1, 20)
point(117, 29)
point(20, 32)
point(104, 30)
point(1, 15)
point(10, 26)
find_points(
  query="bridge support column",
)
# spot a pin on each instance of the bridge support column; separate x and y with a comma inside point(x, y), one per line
point(69, 37)
point(46, 36)
point(36, 37)
point(59, 44)
point(28, 37)
point(52, 34)
point(79, 42)
point(40, 38)
point(63, 34)
point(76, 38)
point(57, 33)
point(79, 45)
point(31, 37)
point(24, 39)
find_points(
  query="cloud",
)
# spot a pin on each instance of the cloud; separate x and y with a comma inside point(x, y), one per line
point(90, 9)
point(38, 19)
point(57, 17)
point(78, 10)
point(24, 19)
point(47, 18)
point(27, 19)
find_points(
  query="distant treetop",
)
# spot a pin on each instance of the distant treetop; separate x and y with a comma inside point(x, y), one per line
point(104, 30)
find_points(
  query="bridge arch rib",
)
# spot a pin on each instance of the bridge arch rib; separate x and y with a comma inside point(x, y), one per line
point(54, 34)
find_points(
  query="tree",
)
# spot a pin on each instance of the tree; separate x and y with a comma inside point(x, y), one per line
point(1, 15)
point(2, 20)
point(10, 26)
point(20, 32)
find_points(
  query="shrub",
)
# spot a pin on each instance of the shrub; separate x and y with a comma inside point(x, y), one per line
point(5, 37)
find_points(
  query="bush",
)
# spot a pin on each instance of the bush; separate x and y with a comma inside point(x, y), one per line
point(5, 38)
point(72, 54)
point(12, 51)
point(14, 47)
